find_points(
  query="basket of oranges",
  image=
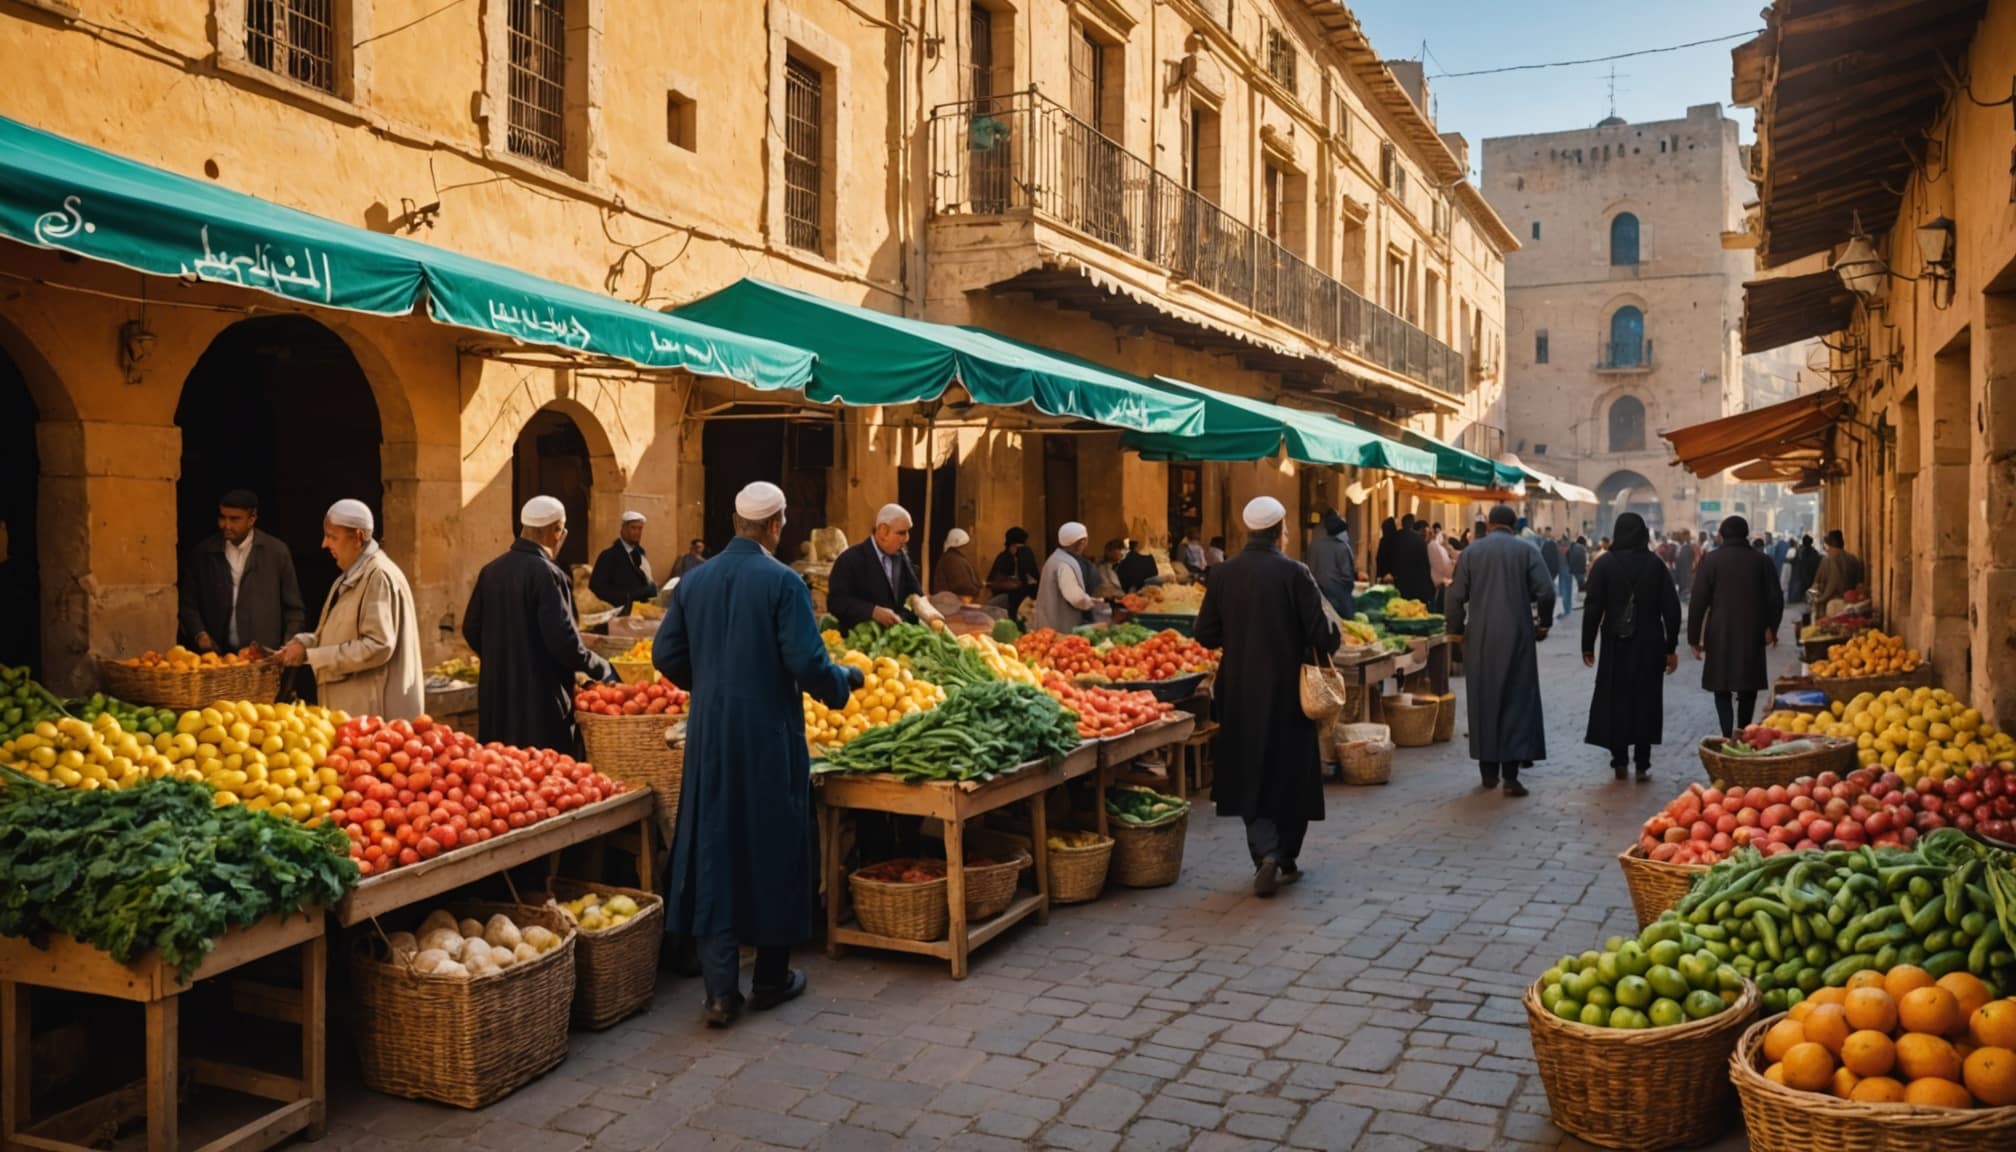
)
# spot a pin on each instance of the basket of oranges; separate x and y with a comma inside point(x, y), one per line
point(1871, 661)
point(183, 680)
point(1894, 1062)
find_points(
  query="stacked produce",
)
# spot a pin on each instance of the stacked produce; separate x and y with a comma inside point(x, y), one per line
point(1764, 740)
point(1166, 599)
point(1075, 839)
point(159, 869)
point(1668, 975)
point(1916, 731)
point(1001, 658)
point(1706, 825)
point(24, 703)
point(934, 655)
point(1358, 631)
point(414, 790)
point(142, 720)
point(1899, 1036)
point(180, 659)
point(262, 755)
point(591, 913)
point(1400, 608)
point(888, 693)
point(1869, 653)
point(641, 650)
point(660, 697)
point(459, 669)
point(450, 949)
point(1104, 712)
point(73, 754)
point(975, 734)
point(1103, 635)
point(1143, 807)
point(1162, 656)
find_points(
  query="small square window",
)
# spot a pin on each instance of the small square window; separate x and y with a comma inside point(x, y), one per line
point(681, 121)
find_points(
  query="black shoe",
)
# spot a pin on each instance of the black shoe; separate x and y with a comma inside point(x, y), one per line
point(1289, 874)
point(1489, 783)
point(1644, 773)
point(1619, 768)
point(1266, 878)
point(1514, 788)
point(763, 999)
point(720, 1013)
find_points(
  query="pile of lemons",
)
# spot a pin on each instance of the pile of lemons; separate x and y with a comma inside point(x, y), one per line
point(1001, 659)
point(888, 693)
point(90, 755)
point(1913, 731)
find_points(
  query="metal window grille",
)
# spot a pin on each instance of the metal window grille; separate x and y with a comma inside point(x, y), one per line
point(295, 38)
point(804, 155)
point(1281, 59)
point(537, 37)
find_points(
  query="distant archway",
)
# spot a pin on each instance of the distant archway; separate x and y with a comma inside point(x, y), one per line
point(1623, 492)
point(20, 484)
point(551, 458)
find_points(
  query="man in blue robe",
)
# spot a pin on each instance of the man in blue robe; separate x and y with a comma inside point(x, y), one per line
point(740, 635)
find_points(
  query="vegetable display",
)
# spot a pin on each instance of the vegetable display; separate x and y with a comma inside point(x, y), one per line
point(24, 703)
point(1123, 634)
point(159, 869)
point(591, 913)
point(657, 698)
point(1899, 1037)
point(1001, 659)
point(888, 693)
point(978, 733)
point(933, 655)
point(1143, 807)
point(1668, 975)
point(449, 949)
point(1105, 712)
point(1162, 656)
point(1917, 731)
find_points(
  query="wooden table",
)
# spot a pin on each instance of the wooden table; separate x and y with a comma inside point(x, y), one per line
point(952, 804)
point(378, 894)
point(72, 966)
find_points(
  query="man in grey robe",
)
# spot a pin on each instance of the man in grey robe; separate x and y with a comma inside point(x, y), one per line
point(1500, 603)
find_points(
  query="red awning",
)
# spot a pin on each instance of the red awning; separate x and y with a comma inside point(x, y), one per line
point(1798, 432)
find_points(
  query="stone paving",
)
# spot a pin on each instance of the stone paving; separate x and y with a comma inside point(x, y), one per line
point(1373, 1006)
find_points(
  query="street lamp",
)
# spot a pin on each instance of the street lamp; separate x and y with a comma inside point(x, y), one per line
point(1861, 269)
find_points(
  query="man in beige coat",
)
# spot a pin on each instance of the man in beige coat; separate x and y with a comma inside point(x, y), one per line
point(365, 649)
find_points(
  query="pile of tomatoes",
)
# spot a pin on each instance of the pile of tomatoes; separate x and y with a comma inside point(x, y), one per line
point(412, 791)
point(1105, 711)
point(1163, 656)
point(656, 698)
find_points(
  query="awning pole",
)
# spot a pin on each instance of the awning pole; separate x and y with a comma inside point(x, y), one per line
point(930, 454)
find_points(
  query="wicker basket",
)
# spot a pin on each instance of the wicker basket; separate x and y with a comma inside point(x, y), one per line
point(1364, 753)
point(1782, 1119)
point(633, 749)
point(1079, 874)
point(484, 1038)
point(1413, 724)
point(258, 681)
point(1764, 771)
point(615, 969)
point(1445, 718)
point(1846, 688)
point(1646, 1088)
point(990, 888)
point(1148, 857)
point(901, 911)
point(1655, 885)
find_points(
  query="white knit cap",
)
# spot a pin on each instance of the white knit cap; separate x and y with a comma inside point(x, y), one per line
point(350, 514)
point(633, 517)
point(892, 514)
point(956, 538)
point(1071, 534)
point(759, 501)
point(1263, 512)
point(542, 512)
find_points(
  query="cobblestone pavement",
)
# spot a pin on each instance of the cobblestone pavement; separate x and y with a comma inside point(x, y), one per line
point(1373, 1006)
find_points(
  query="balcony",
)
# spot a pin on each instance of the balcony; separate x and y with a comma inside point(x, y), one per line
point(1624, 356)
point(1026, 155)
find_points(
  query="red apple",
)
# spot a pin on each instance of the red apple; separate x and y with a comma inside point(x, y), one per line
point(1802, 803)
point(1820, 831)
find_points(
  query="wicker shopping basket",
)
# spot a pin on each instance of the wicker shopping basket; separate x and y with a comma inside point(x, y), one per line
point(1148, 857)
point(1445, 718)
point(1364, 753)
point(1655, 885)
point(484, 1038)
point(1412, 722)
point(901, 911)
point(257, 681)
point(615, 969)
point(1846, 688)
point(1079, 874)
point(1646, 1089)
point(633, 749)
point(1782, 1119)
point(1764, 771)
point(990, 888)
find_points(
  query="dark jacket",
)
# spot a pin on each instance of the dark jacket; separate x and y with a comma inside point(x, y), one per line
point(1135, 570)
point(1407, 563)
point(954, 573)
point(520, 622)
point(617, 580)
point(1736, 602)
point(1628, 706)
point(857, 585)
point(1805, 564)
point(1015, 575)
point(1550, 555)
point(270, 611)
point(1578, 561)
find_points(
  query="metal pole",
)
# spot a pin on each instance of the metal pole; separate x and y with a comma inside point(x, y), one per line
point(930, 449)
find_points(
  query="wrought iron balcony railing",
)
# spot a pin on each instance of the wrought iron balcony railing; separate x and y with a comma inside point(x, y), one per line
point(1026, 152)
point(1624, 356)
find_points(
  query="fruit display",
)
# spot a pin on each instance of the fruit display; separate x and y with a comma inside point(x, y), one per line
point(1001, 658)
point(412, 790)
point(262, 755)
point(1399, 608)
point(1166, 599)
point(1916, 731)
point(646, 610)
point(180, 659)
point(1764, 740)
point(1083, 838)
point(157, 869)
point(660, 697)
point(888, 693)
point(592, 913)
point(1899, 1036)
point(1102, 635)
point(1667, 975)
point(1163, 656)
point(922, 870)
point(1797, 922)
point(931, 652)
point(1143, 807)
point(462, 669)
point(641, 650)
point(1358, 631)
point(1104, 712)
point(141, 720)
point(449, 949)
point(70, 753)
point(977, 733)
point(1869, 653)
point(24, 703)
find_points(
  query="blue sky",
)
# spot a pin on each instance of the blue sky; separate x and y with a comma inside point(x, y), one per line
point(1464, 35)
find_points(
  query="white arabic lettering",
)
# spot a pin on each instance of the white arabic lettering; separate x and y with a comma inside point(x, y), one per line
point(258, 270)
point(63, 223)
point(567, 330)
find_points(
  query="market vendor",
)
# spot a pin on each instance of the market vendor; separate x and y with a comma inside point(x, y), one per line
point(521, 624)
point(365, 649)
point(622, 574)
point(1061, 598)
point(1840, 572)
point(954, 571)
point(740, 635)
point(1136, 568)
point(239, 587)
point(1015, 574)
point(874, 579)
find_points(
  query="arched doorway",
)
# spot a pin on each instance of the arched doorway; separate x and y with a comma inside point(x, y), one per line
point(1627, 425)
point(1623, 492)
point(551, 459)
point(1626, 347)
point(279, 405)
point(20, 574)
point(740, 446)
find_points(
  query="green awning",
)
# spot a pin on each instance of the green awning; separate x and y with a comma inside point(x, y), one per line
point(868, 358)
point(1465, 467)
point(57, 193)
point(1242, 428)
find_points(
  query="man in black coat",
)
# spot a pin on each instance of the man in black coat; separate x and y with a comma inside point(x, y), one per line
point(874, 579)
point(1016, 573)
point(622, 573)
point(1733, 615)
point(1633, 607)
point(521, 624)
point(1413, 577)
point(239, 586)
point(1263, 609)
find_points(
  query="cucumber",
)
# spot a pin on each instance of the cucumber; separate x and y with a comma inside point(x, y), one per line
point(1838, 973)
point(1947, 961)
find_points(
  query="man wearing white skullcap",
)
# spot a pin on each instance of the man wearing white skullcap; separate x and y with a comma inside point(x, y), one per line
point(1061, 598)
point(1264, 610)
point(740, 635)
point(955, 571)
point(874, 580)
point(365, 649)
point(522, 625)
point(622, 574)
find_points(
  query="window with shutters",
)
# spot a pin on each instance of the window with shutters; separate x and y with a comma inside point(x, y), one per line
point(1623, 239)
point(804, 155)
point(1281, 59)
point(1341, 129)
point(537, 79)
point(295, 38)
point(1392, 172)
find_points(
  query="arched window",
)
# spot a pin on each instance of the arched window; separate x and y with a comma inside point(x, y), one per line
point(1624, 239)
point(1627, 425)
point(1627, 338)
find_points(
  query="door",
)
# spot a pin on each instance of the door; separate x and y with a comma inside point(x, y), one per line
point(1060, 487)
point(988, 141)
point(943, 504)
point(795, 456)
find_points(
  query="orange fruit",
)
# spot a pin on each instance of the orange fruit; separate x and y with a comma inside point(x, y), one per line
point(1990, 1074)
point(1827, 996)
point(1933, 1092)
point(1920, 1056)
point(1865, 979)
point(1798, 1012)
point(1827, 1026)
point(1780, 1038)
point(1871, 1008)
point(1903, 979)
point(1869, 1053)
point(1993, 1025)
point(1775, 1073)
point(1844, 1083)
point(1809, 1067)
point(1969, 990)
point(1932, 1010)
point(1878, 1090)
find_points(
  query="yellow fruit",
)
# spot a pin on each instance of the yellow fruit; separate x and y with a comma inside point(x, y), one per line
point(1878, 1090)
point(1937, 1092)
point(1931, 1010)
point(1920, 1055)
point(1869, 1053)
point(1808, 1067)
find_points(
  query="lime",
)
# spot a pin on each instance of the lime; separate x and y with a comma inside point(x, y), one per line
point(1702, 1004)
point(1606, 968)
point(1613, 944)
point(1698, 970)
point(1728, 979)
point(1621, 1017)
point(1691, 943)
point(1667, 982)
point(1549, 994)
point(1666, 952)
point(1603, 995)
point(1568, 1009)
point(1634, 992)
point(1552, 976)
point(1632, 960)
point(1575, 985)
point(1666, 1013)
point(1595, 1016)
point(1568, 964)
point(1588, 959)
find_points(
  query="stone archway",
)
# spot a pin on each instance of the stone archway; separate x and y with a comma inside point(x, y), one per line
point(20, 493)
point(1626, 491)
point(562, 451)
